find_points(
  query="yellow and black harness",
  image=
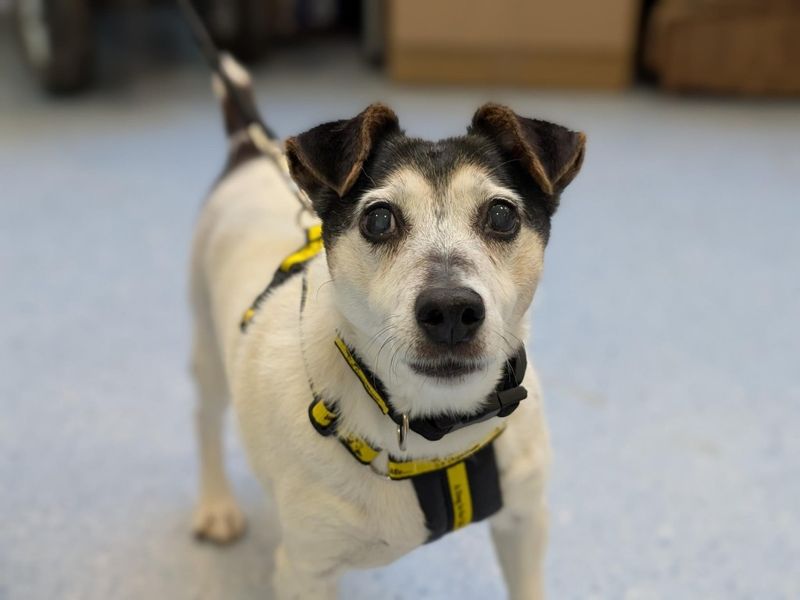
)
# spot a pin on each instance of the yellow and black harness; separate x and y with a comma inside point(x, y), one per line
point(292, 265)
point(452, 491)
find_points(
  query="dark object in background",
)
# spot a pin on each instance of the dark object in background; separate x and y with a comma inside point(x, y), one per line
point(239, 26)
point(725, 46)
point(57, 36)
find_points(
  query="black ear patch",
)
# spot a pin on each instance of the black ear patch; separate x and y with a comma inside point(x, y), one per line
point(550, 153)
point(330, 156)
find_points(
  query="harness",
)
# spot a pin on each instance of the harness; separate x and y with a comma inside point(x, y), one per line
point(292, 265)
point(452, 491)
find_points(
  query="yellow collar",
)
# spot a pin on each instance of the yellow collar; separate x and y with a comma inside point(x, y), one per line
point(324, 418)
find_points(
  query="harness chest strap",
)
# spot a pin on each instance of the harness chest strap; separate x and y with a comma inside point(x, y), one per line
point(452, 492)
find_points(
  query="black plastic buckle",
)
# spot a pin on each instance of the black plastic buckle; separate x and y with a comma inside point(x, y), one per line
point(509, 400)
point(499, 404)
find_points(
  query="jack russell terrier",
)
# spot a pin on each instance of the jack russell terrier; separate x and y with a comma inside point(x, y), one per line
point(376, 360)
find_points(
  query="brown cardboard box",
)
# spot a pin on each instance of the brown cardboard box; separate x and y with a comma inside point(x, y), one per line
point(582, 43)
point(726, 46)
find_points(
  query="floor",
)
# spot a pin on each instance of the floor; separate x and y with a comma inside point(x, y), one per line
point(666, 334)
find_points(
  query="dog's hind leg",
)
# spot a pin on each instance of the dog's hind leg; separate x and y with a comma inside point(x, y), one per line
point(217, 516)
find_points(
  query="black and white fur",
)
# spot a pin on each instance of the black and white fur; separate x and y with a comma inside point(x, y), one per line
point(335, 513)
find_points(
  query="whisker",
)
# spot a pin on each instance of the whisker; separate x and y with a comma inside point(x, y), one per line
point(388, 340)
point(521, 343)
point(375, 337)
point(322, 285)
point(383, 329)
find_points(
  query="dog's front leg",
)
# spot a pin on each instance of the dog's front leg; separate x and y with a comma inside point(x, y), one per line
point(520, 539)
point(299, 577)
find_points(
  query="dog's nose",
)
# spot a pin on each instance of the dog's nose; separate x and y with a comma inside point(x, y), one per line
point(449, 315)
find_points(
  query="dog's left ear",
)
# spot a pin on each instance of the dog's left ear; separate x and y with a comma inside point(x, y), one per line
point(331, 155)
point(551, 154)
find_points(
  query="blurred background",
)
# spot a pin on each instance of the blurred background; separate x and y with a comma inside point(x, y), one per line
point(665, 331)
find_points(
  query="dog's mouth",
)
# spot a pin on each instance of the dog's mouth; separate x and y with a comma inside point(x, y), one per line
point(447, 369)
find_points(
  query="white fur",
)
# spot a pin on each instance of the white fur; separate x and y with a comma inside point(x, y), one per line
point(235, 72)
point(335, 513)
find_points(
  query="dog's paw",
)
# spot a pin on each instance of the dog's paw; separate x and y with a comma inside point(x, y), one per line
point(220, 521)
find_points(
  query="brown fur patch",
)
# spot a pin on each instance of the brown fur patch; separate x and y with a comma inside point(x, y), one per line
point(550, 153)
point(332, 154)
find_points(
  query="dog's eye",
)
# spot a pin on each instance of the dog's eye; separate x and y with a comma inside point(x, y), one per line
point(502, 218)
point(378, 223)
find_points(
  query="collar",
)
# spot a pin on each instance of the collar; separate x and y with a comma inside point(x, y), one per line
point(501, 402)
point(324, 418)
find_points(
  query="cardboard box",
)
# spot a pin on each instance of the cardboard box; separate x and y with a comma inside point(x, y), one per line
point(577, 43)
point(735, 46)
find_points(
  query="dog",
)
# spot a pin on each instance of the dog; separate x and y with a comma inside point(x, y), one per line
point(376, 366)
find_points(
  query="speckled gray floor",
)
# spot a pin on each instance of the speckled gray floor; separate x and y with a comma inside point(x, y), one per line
point(666, 333)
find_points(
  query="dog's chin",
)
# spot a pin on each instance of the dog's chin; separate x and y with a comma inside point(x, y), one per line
point(448, 371)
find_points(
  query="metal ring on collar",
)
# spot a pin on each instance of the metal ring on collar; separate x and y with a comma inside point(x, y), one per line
point(402, 432)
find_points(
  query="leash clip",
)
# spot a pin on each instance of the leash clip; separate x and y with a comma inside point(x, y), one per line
point(402, 432)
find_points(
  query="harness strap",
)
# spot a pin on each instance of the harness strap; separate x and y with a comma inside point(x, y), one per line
point(292, 264)
point(464, 493)
point(452, 492)
point(312, 247)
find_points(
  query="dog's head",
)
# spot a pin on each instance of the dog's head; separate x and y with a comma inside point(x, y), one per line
point(436, 248)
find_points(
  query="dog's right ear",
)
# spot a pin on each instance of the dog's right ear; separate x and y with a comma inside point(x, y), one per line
point(330, 156)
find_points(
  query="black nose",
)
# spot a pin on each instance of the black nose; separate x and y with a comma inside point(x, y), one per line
point(449, 315)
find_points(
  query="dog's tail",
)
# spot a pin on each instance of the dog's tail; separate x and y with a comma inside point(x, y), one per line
point(231, 81)
point(234, 88)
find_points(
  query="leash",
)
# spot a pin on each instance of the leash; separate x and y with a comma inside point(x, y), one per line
point(211, 54)
point(260, 134)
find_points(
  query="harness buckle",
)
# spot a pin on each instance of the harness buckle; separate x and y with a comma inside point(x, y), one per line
point(402, 432)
